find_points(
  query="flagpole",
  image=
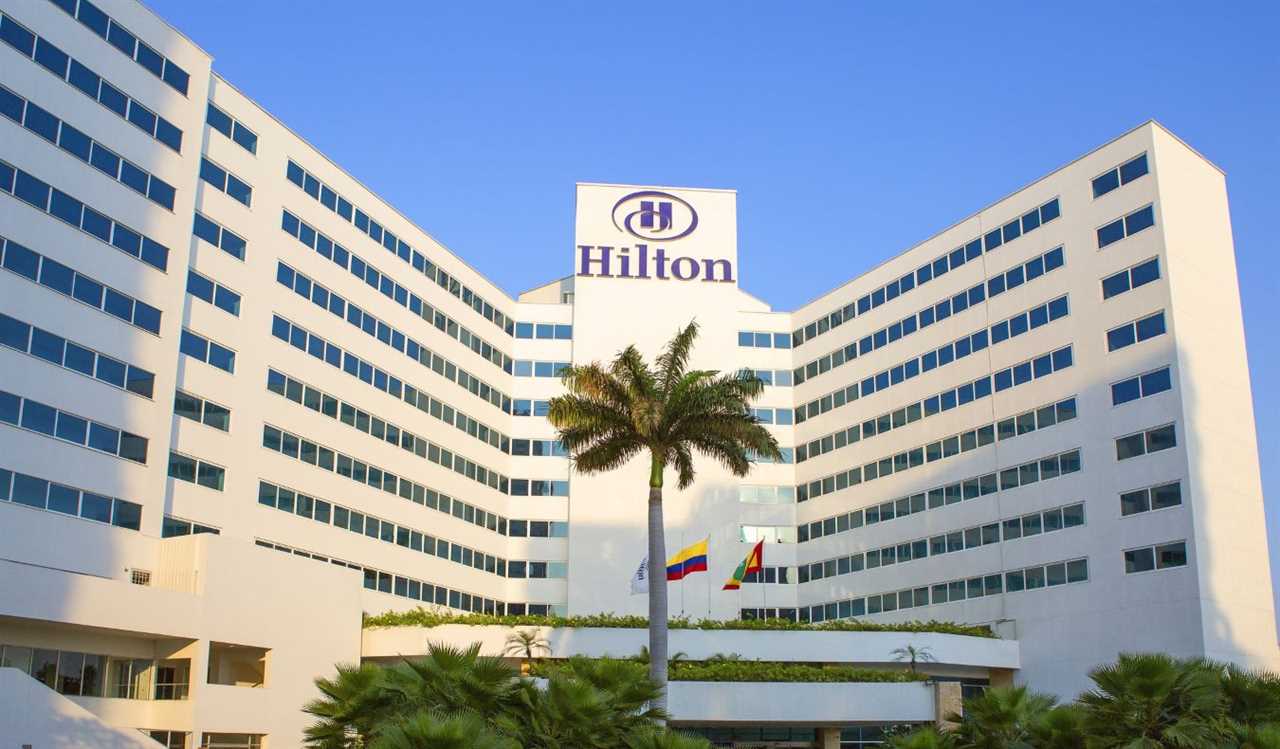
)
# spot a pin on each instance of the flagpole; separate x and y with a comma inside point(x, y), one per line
point(682, 576)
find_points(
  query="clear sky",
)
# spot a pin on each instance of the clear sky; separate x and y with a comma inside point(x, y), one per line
point(851, 130)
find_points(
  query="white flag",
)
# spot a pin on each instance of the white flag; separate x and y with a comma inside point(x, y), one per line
point(640, 580)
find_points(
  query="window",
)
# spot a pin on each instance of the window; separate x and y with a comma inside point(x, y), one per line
point(1142, 443)
point(1136, 331)
point(1159, 497)
point(53, 59)
point(1155, 381)
point(219, 236)
point(194, 471)
point(225, 181)
point(174, 527)
point(132, 46)
point(237, 665)
point(1159, 557)
point(1127, 280)
point(207, 351)
point(206, 412)
point(216, 294)
point(1121, 175)
point(233, 129)
point(752, 339)
point(36, 192)
point(52, 422)
point(1143, 218)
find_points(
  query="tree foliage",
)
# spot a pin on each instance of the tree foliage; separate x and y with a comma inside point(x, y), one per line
point(457, 698)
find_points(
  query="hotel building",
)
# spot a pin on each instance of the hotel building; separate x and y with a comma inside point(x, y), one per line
point(243, 400)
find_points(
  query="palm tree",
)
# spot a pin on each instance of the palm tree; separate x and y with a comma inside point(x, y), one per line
point(526, 643)
point(928, 737)
point(913, 654)
point(1001, 718)
point(612, 414)
point(1153, 700)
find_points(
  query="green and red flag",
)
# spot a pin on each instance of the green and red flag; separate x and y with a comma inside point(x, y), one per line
point(753, 563)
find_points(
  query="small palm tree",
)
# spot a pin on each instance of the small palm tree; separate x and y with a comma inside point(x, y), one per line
point(612, 414)
point(1001, 718)
point(913, 655)
point(527, 643)
point(928, 737)
point(1151, 699)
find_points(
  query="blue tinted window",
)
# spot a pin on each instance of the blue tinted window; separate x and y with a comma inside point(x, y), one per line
point(1123, 392)
point(1150, 326)
point(1120, 337)
point(1156, 382)
point(1112, 232)
point(1133, 169)
point(1136, 222)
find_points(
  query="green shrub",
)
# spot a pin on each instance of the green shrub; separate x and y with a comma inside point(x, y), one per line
point(760, 671)
point(421, 617)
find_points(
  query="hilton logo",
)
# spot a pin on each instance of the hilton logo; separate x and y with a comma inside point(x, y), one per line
point(656, 216)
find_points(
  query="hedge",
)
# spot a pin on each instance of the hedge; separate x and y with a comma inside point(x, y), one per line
point(762, 671)
point(421, 617)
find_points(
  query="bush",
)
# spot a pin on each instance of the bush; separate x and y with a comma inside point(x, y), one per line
point(761, 671)
point(421, 617)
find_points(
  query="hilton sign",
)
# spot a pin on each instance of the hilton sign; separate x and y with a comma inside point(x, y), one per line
point(653, 216)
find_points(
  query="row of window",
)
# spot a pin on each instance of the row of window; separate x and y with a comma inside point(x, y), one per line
point(394, 291)
point(1131, 278)
point(946, 448)
point(60, 133)
point(756, 339)
point(769, 576)
point(539, 529)
point(54, 422)
point(39, 194)
point(776, 377)
point(67, 281)
point(232, 128)
point(303, 505)
point(1150, 383)
point(198, 409)
point(64, 353)
point(212, 292)
point(1002, 379)
point(1159, 497)
point(539, 488)
point(781, 416)
point(767, 495)
point(1025, 526)
point(1044, 469)
point(544, 331)
point(42, 494)
point(173, 527)
point(772, 534)
point(225, 181)
point(1029, 578)
point(333, 201)
point(207, 351)
point(539, 448)
point(219, 236)
point(1158, 557)
point(527, 368)
point(196, 471)
point(1136, 331)
point(382, 430)
point(122, 39)
point(71, 70)
point(1143, 218)
point(960, 348)
point(527, 407)
point(1002, 429)
point(92, 675)
point(1120, 175)
point(388, 287)
point(939, 266)
point(998, 284)
point(322, 403)
point(405, 587)
point(1147, 441)
point(913, 412)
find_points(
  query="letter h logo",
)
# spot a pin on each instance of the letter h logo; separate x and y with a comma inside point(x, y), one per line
point(662, 214)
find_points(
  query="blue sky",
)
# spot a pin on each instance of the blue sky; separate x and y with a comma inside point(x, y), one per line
point(879, 123)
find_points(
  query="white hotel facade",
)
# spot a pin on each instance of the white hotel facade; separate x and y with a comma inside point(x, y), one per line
point(217, 346)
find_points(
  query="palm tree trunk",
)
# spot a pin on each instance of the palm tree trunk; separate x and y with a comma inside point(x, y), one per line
point(657, 592)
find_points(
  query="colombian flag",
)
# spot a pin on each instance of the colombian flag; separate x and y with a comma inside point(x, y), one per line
point(689, 560)
point(753, 563)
